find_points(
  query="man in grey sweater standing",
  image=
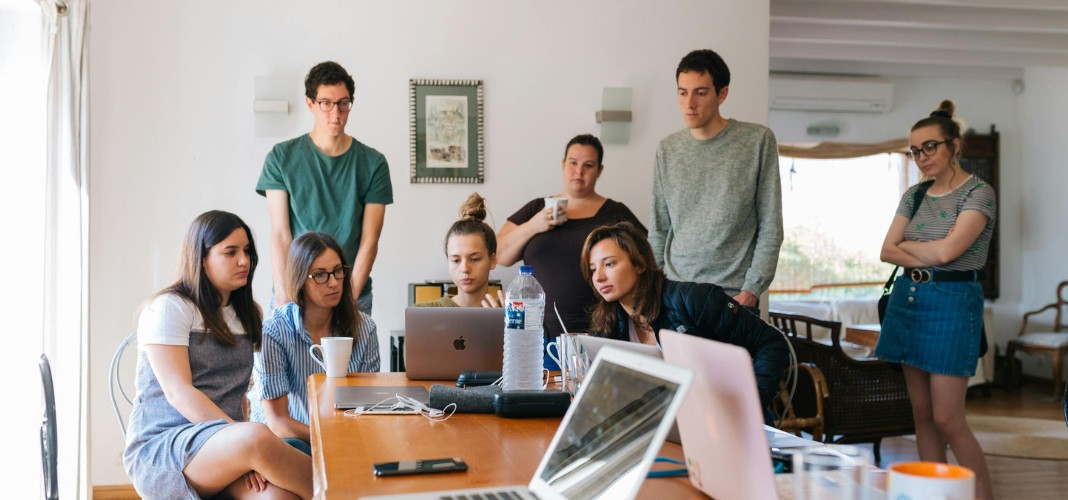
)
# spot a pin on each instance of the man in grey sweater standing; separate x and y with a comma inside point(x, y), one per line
point(717, 199)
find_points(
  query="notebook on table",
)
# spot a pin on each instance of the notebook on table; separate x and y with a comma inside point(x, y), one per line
point(441, 342)
point(721, 424)
point(609, 437)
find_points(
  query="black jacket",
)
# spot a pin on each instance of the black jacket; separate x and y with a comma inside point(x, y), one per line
point(707, 311)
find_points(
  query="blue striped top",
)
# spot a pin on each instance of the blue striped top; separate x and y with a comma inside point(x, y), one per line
point(283, 364)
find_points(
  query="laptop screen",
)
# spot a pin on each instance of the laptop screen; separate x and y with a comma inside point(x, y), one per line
point(600, 451)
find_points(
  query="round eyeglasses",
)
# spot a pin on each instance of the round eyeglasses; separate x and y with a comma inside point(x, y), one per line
point(327, 105)
point(321, 277)
point(928, 148)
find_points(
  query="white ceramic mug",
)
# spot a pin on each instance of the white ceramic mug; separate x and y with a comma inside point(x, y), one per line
point(557, 204)
point(572, 358)
point(833, 471)
point(930, 481)
point(334, 355)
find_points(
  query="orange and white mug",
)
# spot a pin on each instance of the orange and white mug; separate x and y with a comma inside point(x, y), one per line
point(930, 481)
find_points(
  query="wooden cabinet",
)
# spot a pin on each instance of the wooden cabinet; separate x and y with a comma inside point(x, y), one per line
point(981, 158)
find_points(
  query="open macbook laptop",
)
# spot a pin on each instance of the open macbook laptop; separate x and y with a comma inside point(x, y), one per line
point(608, 438)
point(441, 342)
point(593, 345)
point(720, 423)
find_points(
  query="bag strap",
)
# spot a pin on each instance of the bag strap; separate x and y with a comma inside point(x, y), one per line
point(917, 199)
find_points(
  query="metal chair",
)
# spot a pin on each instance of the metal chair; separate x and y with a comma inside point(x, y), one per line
point(49, 441)
point(1054, 343)
point(115, 380)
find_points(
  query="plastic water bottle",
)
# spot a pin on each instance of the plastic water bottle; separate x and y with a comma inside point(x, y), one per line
point(524, 337)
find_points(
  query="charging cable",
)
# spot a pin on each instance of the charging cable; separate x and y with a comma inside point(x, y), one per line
point(407, 403)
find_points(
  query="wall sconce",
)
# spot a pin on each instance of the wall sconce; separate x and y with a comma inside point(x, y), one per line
point(271, 106)
point(615, 115)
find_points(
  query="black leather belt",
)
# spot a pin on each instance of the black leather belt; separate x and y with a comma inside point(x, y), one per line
point(924, 275)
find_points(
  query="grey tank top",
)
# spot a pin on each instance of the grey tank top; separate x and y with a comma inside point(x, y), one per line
point(222, 372)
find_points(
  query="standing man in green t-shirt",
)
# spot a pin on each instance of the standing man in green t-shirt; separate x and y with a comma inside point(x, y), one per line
point(327, 181)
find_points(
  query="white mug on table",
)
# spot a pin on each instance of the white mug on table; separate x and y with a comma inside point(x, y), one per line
point(334, 355)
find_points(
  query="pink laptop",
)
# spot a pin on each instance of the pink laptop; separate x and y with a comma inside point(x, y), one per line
point(720, 422)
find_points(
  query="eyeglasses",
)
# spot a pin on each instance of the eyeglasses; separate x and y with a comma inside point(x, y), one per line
point(928, 148)
point(321, 277)
point(327, 105)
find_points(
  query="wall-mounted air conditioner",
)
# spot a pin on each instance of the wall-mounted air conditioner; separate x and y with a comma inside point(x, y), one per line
point(845, 94)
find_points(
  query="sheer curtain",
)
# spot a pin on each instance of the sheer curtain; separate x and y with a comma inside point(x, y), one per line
point(66, 242)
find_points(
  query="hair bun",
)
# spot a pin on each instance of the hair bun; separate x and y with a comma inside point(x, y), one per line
point(474, 208)
point(945, 109)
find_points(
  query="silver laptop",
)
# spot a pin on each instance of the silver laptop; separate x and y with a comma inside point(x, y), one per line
point(380, 398)
point(608, 438)
point(441, 342)
point(721, 424)
point(593, 345)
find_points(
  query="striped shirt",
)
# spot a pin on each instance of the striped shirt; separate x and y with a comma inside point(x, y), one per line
point(938, 214)
point(283, 365)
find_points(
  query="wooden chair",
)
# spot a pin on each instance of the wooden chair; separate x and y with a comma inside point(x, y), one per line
point(804, 410)
point(865, 399)
point(1054, 343)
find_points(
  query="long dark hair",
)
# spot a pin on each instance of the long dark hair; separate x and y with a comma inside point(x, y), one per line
point(650, 282)
point(472, 213)
point(345, 321)
point(206, 231)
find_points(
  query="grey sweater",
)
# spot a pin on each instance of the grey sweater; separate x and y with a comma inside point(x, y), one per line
point(717, 208)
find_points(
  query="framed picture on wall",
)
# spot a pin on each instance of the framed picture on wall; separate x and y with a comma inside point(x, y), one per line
point(445, 121)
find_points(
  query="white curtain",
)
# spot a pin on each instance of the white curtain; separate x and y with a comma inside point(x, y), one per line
point(66, 263)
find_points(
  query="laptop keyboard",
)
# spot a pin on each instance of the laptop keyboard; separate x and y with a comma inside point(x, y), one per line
point(495, 495)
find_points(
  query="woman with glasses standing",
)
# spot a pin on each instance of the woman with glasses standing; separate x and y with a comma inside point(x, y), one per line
point(323, 306)
point(934, 318)
point(187, 435)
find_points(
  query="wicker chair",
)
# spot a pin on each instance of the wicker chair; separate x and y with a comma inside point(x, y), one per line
point(804, 411)
point(866, 399)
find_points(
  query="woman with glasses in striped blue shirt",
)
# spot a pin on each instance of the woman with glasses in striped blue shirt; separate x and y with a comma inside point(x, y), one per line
point(323, 306)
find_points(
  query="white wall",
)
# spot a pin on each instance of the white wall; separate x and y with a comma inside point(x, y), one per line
point(172, 127)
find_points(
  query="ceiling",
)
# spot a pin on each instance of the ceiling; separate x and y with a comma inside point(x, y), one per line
point(952, 38)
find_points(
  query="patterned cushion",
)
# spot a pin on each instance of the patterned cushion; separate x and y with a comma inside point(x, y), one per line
point(1044, 339)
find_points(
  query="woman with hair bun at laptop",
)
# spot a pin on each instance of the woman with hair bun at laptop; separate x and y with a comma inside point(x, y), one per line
point(323, 306)
point(637, 301)
point(471, 249)
point(187, 437)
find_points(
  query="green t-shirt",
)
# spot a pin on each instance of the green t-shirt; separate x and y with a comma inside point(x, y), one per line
point(327, 193)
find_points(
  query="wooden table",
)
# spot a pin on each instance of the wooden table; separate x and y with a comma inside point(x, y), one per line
point(498, 451)
point(866, 335)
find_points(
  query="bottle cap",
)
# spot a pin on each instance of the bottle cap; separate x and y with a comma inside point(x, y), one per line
point(526, 270)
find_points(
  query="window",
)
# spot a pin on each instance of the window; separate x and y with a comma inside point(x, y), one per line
point(835, 216)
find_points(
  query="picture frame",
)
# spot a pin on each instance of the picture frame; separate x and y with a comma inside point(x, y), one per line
point(446, 141)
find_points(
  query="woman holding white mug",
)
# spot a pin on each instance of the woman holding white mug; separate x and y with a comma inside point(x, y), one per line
point(324, 307)
point(553, 244)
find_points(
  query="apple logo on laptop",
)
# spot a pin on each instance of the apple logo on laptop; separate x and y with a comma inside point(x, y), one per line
point(458, 344)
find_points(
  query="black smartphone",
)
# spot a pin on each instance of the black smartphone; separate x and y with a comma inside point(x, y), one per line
point(420, 467)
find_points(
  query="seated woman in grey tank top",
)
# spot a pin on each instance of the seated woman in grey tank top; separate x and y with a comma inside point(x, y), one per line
point(187, 435)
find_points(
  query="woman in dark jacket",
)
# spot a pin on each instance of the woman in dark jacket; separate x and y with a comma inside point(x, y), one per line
point(636, 302)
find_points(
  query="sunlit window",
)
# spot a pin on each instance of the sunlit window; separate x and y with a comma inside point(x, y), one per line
point(22, 146)
point(835, 216)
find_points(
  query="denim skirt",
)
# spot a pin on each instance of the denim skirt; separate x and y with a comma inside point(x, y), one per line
point(933, 326)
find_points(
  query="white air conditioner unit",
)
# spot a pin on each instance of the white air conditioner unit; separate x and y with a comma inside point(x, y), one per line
point(844, 94)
